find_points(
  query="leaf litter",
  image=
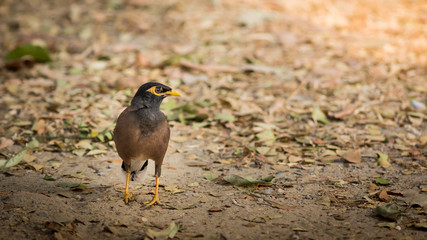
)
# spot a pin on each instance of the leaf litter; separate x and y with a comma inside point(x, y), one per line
point(292, 99)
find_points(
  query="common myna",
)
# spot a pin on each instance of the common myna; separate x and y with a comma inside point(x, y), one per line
point(142, 133)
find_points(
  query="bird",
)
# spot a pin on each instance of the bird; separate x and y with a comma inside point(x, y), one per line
point(142, 132)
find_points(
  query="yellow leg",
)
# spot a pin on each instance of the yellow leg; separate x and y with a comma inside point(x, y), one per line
point(156, 194)
point(128, 196)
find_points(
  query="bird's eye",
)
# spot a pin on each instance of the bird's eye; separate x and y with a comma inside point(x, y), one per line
point(158, 90)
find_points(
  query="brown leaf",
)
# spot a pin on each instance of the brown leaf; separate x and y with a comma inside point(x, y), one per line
point(373, 187)
point(196, 164)
point(275, 205)
point(349, 109)
point(215, 209)
point(330, 158)
point(111, 229)
point(40, 127)
point(353, 156)
point(5, 142)
point(383, 196)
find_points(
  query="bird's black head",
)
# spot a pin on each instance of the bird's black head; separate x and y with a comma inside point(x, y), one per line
point(151, 94)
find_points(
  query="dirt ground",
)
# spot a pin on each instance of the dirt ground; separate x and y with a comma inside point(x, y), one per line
point(326, 96)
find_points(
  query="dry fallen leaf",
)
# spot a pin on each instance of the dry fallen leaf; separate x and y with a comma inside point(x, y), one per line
point(215, 209)
point(382, 160)
point(353, 156)
point(173, 189)
point(319, 116)
point(250, 75)
point(36, 166)
point(383, 196)
point(390, 211)
point(196, 164)
point(163, 234)
point(13, 160)
point(5, 142)
point(348, 110)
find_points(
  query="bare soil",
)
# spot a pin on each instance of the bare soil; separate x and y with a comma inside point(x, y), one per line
point(268, 67)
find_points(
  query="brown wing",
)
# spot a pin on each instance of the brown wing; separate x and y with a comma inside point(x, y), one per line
point(133, 145)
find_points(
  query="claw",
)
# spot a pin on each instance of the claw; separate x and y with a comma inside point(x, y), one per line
point(156, 194)
point(128, 197)
point(154, 201)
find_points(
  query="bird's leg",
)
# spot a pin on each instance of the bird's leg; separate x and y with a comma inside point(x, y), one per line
point(128, 196)
point(156, 194)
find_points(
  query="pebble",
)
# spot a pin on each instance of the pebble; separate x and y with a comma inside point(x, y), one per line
point(43, 214)
point(418, 105)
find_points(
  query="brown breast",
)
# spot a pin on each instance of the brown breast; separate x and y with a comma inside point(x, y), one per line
point(135, 143)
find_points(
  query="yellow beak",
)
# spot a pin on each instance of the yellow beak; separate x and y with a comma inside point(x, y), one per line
point(172, 93)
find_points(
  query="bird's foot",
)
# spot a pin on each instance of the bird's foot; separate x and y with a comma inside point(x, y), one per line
point(128, 197)
point(154, 201)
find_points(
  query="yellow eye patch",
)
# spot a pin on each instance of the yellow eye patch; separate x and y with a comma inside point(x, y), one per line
point(156, 91)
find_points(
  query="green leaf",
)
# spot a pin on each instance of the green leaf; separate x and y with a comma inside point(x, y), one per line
point(39, 54)
point(265, 180)
point(85, 144)
point(210, 176)
point(319, 116)
point(247, 181)
point(61, 83)
point(79, 187)
point(390, 211)
point(187, 108)
point(266, 136)
point(101, 137)
point(224, 117)
point(14, 160)
point(49, 178)
point(239, 181)
point(169, 104)
point(33, 144)
point(174, 60)
point(106, 112)
point(390, 225)
point(78, 175)
point(203, 103)
point(200, 117)
point(109, 135)
point(75, 71)
point(79, 152)
point(382, 160)
point(382, 181)
point(163, 234)
point(181, 118)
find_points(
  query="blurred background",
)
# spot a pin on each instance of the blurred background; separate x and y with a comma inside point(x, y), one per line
point(270, 87)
